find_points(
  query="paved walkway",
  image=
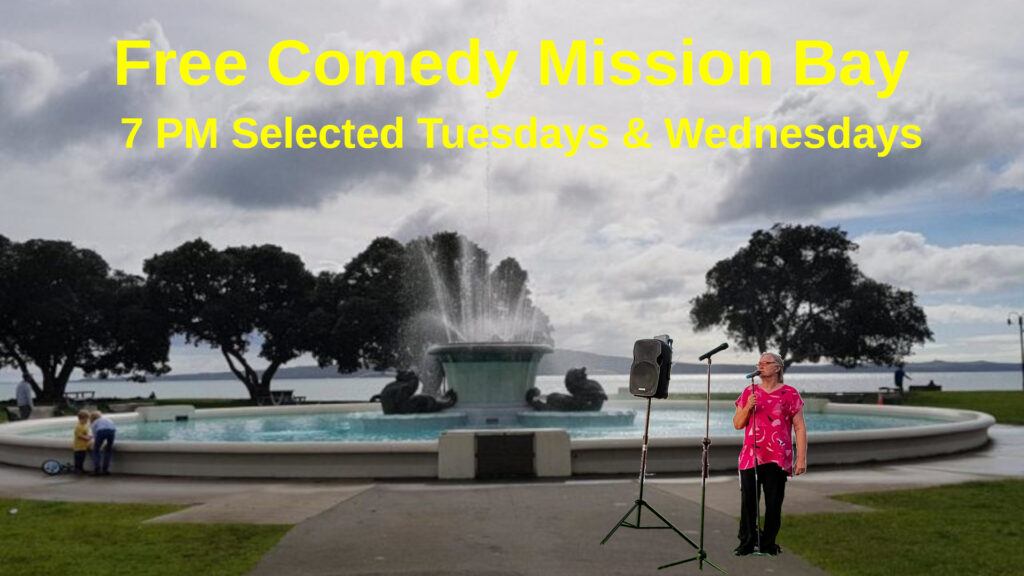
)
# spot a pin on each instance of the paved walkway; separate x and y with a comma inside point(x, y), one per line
point(506, 529)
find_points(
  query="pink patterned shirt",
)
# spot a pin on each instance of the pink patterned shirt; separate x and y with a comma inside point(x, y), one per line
point(773, 420)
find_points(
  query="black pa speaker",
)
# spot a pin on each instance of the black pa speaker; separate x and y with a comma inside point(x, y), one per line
point(652, 365)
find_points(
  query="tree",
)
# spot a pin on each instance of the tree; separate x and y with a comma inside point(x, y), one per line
point(62, 308)
point(795, 289)
point(358, 313)
point(6, 297)
point(889, 322)
point(228, 298)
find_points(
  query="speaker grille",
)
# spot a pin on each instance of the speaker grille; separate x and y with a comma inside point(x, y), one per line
point(650, 371)
point(643, 379)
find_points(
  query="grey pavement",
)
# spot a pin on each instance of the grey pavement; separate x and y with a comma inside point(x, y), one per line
point(512, 528)
point(508, 530)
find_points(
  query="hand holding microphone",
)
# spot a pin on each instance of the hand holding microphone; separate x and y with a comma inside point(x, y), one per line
point(752, 399)
point(751, 402)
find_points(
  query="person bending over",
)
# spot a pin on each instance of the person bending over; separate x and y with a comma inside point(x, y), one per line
point(103, 431)
point(770, 413)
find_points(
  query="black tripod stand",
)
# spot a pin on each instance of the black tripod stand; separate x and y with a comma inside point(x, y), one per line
point(702, 555)
point(640, 503)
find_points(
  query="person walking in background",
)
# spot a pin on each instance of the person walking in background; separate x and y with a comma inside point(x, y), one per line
point(898, 377)
point(771, 413)
point(83, 437)
point(103, 431)
point(23, 393)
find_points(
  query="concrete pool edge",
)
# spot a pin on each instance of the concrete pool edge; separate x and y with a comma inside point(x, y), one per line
point(956, 431)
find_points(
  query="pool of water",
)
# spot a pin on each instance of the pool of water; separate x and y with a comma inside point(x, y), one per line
point(347, 427)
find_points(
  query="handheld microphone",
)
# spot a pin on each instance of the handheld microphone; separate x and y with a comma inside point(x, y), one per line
point(752, 374)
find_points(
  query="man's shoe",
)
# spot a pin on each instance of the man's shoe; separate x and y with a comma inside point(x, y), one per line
point(773, 550)
point(743, 551)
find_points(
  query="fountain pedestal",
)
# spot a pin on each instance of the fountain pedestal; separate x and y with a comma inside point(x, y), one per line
point(491, 378)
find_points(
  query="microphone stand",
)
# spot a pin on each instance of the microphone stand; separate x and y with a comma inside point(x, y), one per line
point(757, 486)
point(702, 555)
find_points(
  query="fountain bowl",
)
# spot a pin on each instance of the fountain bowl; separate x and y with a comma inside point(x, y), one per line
point(490, 378)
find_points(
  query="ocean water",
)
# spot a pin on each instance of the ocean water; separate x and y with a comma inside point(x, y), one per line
point(360, 389)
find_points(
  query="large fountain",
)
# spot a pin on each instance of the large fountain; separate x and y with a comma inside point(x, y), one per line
point(492, 337)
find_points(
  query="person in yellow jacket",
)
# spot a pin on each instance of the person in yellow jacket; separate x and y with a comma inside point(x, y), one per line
point(83, 438)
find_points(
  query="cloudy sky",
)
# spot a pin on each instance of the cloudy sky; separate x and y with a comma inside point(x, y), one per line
point(616, 241)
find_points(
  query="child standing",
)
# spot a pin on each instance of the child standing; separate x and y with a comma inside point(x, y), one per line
point(83, 437)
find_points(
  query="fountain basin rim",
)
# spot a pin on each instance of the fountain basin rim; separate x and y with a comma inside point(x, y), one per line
point(954, 431)
point(501, 344)
point(490, 351)
point(947, 421)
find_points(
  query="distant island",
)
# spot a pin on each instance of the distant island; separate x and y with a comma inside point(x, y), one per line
point(557, 363)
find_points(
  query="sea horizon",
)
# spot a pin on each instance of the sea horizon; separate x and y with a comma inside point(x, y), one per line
point(360, 388)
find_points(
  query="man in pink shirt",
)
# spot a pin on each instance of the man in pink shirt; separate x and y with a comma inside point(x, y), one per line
point(771, 413)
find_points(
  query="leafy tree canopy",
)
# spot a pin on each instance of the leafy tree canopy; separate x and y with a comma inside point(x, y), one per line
point(224, 298)
point(359, 312)
point(796, 290)
point(62, 308)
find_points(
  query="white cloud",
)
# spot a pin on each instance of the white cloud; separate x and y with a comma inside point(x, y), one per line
point(907, 260)
point(616, 241)
point(26, 78)
point(50, 109)
point(966, 314)
point(1006, 340)
point(966, 143)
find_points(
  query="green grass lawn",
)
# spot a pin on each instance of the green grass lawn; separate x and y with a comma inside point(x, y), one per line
point(1007, 407)
point(972, 528)
point(61, 538)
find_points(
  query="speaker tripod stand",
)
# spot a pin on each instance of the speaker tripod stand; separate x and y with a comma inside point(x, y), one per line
point(702, 556)
point(639, 504)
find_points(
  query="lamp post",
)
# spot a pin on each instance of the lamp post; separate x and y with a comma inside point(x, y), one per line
point(1020, 327)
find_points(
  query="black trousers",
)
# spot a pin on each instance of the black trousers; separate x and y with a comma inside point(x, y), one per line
point(772, 479)
point(80, 460)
